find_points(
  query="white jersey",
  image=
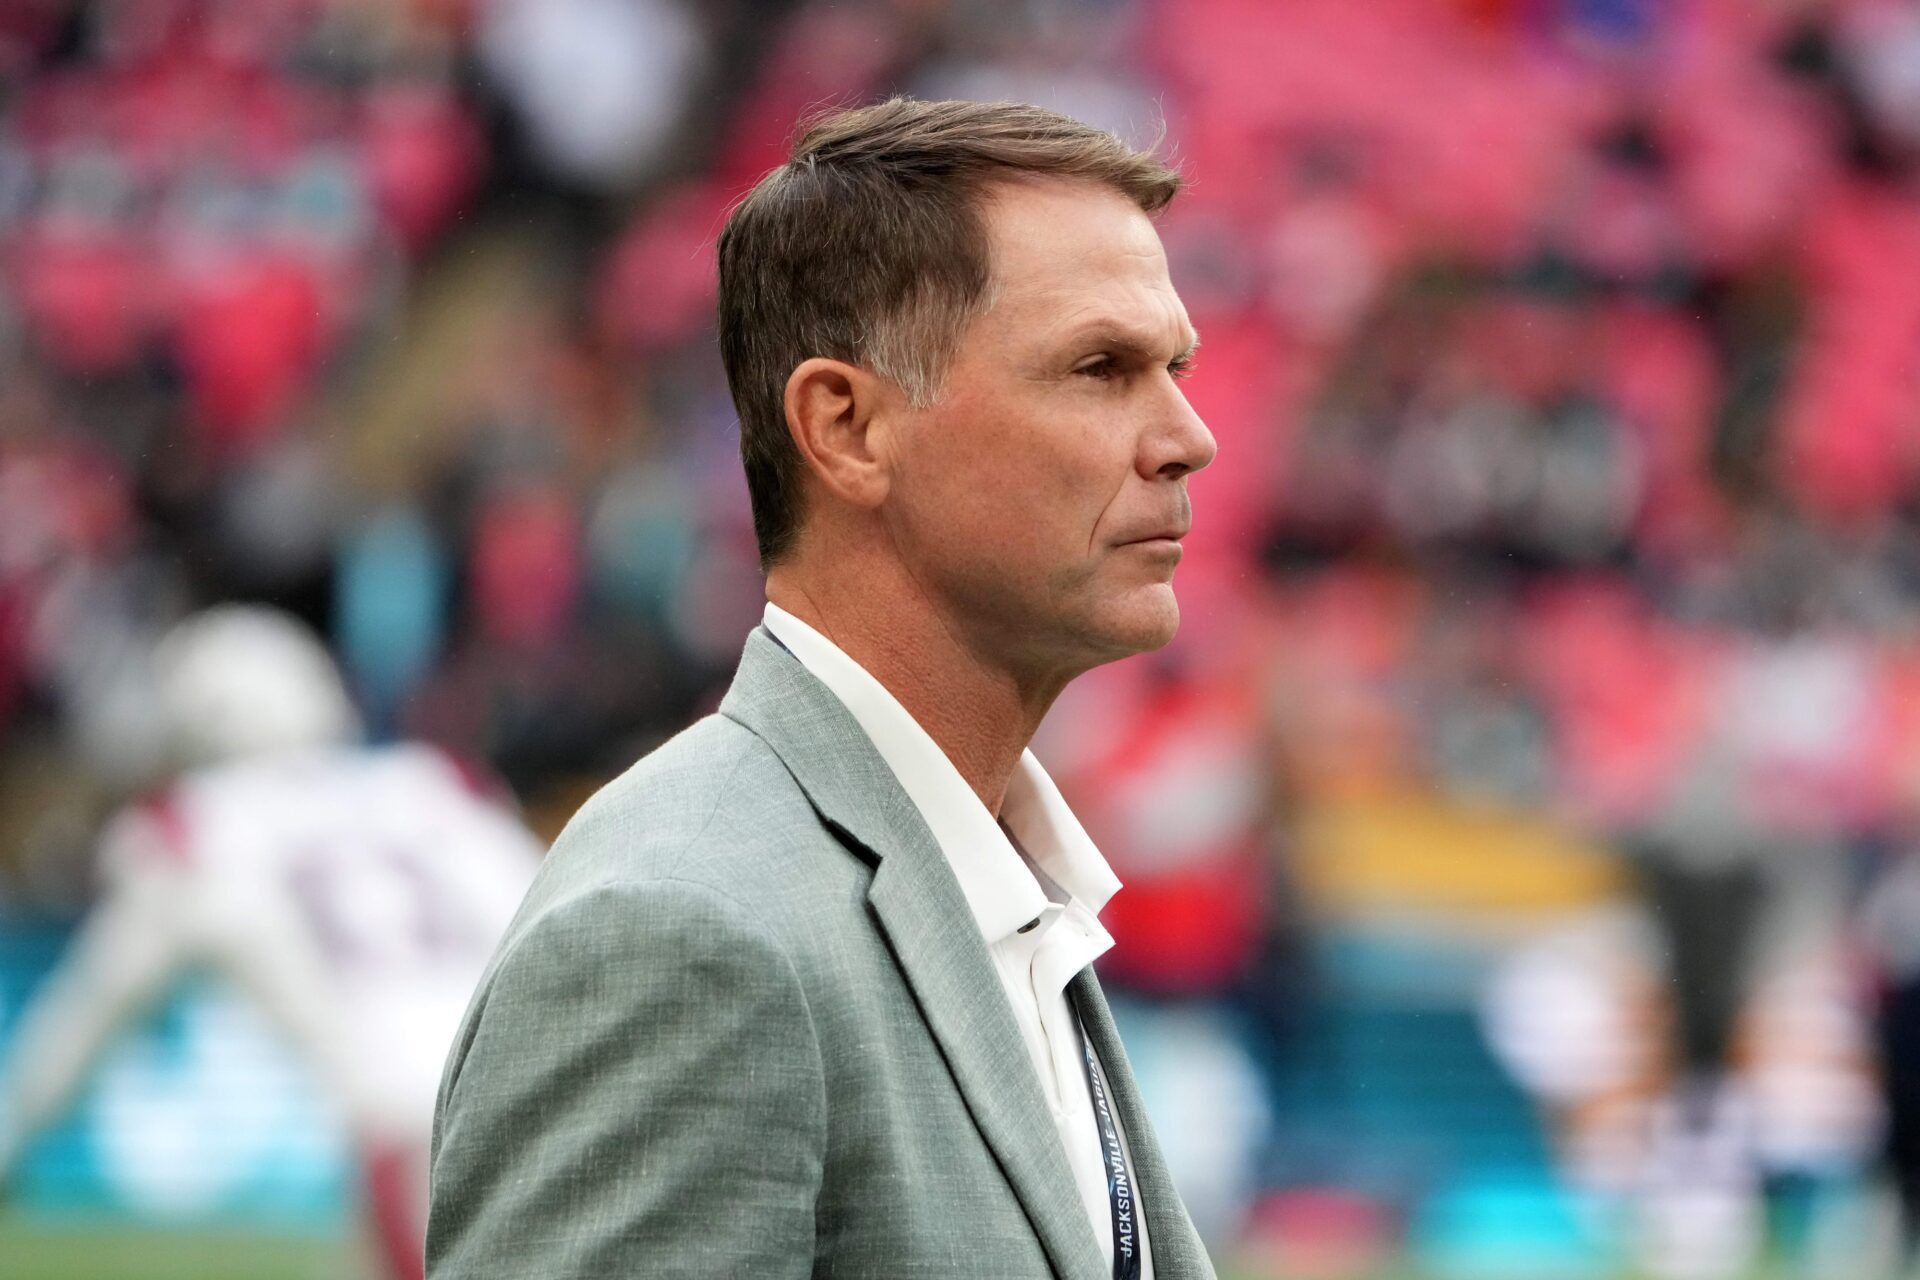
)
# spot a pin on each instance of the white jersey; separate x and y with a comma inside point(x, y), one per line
point(356, 893)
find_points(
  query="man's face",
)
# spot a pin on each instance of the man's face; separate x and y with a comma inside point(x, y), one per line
point(1039, 499)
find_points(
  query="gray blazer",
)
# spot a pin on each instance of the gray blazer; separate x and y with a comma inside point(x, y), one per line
point(744, 1026)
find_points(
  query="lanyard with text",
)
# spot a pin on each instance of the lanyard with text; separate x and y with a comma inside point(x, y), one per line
point(1120, 1186)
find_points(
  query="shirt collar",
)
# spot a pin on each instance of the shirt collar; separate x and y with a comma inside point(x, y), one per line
point(1000, 888)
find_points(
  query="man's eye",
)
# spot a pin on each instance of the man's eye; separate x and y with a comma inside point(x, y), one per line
point(1181, 368)
point(1104, 367)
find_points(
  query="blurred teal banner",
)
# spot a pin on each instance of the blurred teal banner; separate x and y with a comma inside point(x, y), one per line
point(198, 1115)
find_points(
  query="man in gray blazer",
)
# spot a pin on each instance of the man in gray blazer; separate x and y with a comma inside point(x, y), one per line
point(807, 991)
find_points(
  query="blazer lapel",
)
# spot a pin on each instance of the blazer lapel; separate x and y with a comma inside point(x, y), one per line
point(931, 932)
point(1175, 1245)
point(934, 938)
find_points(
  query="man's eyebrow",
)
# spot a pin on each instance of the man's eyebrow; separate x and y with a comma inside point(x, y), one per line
point(1128, 339)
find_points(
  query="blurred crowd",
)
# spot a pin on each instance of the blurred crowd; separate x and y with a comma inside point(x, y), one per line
point(1552, 606)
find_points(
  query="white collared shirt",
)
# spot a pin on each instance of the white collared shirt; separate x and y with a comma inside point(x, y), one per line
point(1041, 870)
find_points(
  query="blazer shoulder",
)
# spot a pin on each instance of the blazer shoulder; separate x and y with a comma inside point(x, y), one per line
point(714, 805)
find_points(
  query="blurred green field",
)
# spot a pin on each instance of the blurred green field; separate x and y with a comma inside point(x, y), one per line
point(80, 1251)
point(115, 1251)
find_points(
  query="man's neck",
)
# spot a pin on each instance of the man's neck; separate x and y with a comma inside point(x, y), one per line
point(982, 717)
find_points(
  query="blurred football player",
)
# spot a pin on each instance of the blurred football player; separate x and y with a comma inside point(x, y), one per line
point(354, 892)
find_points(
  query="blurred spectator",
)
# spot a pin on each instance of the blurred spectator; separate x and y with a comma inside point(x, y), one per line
point(600, 84)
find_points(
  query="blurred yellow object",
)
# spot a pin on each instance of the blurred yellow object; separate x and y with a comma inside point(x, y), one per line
point(1413, 850)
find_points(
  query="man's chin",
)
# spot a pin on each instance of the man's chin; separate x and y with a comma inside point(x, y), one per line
point(1145, 625)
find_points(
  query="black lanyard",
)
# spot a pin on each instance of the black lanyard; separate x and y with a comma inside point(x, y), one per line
point(1120, 1184)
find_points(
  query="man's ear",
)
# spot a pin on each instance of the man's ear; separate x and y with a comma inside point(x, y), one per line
point(831, 408)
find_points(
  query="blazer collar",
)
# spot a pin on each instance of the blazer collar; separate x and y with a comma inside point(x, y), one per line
point(926, 919)
point(1002, 889)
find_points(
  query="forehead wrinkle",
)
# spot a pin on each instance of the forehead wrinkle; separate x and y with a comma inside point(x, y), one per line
point(1097, 269)
point(1132, 333)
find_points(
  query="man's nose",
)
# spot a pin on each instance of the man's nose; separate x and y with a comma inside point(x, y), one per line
point(1182, 444)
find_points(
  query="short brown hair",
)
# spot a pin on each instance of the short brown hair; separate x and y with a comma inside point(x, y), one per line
point(867, 246)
